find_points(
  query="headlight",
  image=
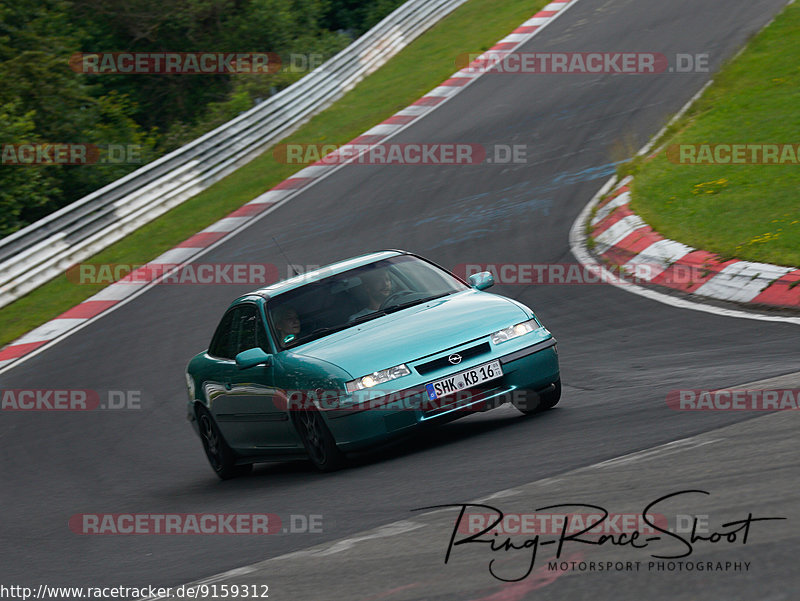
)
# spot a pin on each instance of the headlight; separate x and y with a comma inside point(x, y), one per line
point(190, 386)
point(515, 331)
point(378, 377)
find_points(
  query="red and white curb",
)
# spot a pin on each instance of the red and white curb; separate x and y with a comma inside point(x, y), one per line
point(623, 239)
point(115, 294)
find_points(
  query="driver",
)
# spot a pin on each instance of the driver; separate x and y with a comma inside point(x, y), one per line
point(287, 322)
point(378, 287)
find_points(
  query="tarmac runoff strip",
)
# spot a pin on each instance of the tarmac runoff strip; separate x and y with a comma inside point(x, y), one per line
point(191, 249)
point(749, 467)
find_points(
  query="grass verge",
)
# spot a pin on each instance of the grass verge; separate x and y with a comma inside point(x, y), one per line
point(748, 211)
point(425, 63)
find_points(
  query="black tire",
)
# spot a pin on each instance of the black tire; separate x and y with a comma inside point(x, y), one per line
point(536, 402)
point(318, 441)
point(220, 456)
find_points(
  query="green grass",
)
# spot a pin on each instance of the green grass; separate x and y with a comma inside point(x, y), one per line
point(473, 27)
point(747, 211)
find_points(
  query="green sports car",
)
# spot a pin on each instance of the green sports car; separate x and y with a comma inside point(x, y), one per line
point(354, 353)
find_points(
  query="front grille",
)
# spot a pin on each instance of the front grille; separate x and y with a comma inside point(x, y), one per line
point(468, 353)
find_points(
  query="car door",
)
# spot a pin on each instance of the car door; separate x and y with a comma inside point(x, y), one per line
point(218, 383)
point(254, 413)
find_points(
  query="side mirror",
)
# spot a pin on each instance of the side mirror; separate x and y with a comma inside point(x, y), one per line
point(253, 357)
point(482, 280)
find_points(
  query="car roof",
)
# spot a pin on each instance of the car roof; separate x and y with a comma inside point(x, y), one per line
point(319, 274)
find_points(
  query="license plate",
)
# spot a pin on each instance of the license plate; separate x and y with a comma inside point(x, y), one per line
point(464, 380)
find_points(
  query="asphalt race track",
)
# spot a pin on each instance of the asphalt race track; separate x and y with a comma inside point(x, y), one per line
point(620, 353)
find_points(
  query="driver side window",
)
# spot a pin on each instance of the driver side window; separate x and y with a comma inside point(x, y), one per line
point(225, 339)
point(251, 331)
point(247, 329)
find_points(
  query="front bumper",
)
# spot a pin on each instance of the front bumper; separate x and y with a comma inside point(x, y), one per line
point(530, 368)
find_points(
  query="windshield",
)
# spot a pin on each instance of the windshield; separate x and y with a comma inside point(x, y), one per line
point(355, 296)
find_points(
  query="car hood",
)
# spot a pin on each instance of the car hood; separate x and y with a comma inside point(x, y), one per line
point(415, 332)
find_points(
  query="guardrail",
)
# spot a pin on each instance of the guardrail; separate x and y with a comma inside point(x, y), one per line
point(41, 251)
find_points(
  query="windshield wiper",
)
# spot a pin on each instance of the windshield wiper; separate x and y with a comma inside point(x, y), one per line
point(367, 317)
point(407, 304)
